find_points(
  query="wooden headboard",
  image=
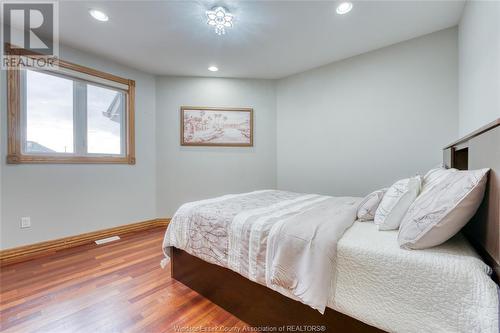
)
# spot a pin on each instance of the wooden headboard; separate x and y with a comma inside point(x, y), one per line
point(481, 149)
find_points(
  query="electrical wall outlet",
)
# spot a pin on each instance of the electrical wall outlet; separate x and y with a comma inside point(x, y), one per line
point(25, 222)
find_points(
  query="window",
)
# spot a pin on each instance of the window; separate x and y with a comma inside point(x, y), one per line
point(70, 115)
point(48, 113)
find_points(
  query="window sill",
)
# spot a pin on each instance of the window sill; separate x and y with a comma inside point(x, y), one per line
point(36, 159)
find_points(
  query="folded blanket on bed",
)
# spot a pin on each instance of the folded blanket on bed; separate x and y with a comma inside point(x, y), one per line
point(302, 249)
point(276, 238)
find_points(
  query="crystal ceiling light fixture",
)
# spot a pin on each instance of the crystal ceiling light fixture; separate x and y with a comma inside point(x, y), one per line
point(219, 18)
point(98, 15)
point(344, 7)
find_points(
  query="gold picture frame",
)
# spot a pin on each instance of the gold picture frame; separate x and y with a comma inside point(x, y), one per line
point(216, 126)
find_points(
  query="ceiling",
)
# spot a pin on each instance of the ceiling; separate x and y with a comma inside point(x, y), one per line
point(270, 39)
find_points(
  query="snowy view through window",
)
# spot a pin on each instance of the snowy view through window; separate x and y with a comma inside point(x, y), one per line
point(50, 117)
point(49, 113)
point(103, 120)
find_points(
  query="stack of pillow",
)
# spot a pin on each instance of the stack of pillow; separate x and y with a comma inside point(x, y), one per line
point(427, 210)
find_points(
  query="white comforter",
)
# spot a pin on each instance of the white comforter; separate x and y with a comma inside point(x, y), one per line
point(443, 289)
point(286, 241)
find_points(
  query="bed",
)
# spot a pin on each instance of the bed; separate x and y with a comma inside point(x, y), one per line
point(241, 251)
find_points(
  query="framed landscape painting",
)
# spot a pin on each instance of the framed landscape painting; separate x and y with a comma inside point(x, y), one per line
point(204, 126)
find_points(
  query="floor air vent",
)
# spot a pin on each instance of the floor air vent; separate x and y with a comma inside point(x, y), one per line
point(107, 240)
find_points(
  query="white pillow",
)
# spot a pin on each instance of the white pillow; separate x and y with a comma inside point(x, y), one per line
point(396, 202)
point(434, 176)
point(369, 205)
point(443, 209)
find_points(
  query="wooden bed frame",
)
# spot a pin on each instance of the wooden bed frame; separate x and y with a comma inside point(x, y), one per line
point(253, 303)
point(481, 149)
point(260, 306)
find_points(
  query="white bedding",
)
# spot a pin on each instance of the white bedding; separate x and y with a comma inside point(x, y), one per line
point(275, 238)
point(442, 289)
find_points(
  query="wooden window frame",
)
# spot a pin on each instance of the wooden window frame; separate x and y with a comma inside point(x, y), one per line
point(14, 114)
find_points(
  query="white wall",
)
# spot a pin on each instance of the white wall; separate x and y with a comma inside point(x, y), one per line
point(479, 65)
point(343, 129)
point(192, 173)
point(359, 124)
point(64, 200)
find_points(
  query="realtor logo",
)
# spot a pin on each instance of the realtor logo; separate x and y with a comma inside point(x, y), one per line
point(30, 34)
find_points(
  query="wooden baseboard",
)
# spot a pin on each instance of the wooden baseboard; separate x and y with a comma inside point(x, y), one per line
point(27, 252)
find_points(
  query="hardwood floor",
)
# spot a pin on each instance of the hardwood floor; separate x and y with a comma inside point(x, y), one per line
point(116, 287)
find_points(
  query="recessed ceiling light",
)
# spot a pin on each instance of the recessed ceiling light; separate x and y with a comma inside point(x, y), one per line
point(344, 8)
point(213, 69)
point(98, 15)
